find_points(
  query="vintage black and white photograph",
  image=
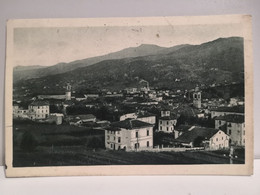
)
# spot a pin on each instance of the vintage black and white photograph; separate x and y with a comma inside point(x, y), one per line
point(159, 91)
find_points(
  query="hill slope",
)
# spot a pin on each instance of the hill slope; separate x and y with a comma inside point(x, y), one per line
point(217, 61)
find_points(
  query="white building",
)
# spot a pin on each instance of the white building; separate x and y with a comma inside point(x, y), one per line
point(222, 111)
point(166, 124)
point(39, 110)
point(129, 135)
point(19, 112)
point(234, 125)
point(208, 138)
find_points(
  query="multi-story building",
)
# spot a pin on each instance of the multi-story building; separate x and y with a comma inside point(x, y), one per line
point(234, 125)
point(166, 122)
point(208, 138)
point(129, 135)
point(221, 111)
point(19, 112)
point(38, 110)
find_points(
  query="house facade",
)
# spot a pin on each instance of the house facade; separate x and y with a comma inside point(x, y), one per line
point(222, 111)
point(129, 135)
point(209, 138)
point(166, 124)
point(234, 125)
point(220, 140)
point(19, 112)
point(38, 110)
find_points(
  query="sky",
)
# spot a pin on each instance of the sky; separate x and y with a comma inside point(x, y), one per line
point(49, 46)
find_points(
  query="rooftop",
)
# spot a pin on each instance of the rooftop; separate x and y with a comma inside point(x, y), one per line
point(233, 118)
point(144, 114)
point(39, 103)
point(190, 136)
point(129, 124)
point(183, 128)
point(237, 109)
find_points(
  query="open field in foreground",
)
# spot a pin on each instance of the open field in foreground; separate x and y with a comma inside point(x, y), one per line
point(64, 145)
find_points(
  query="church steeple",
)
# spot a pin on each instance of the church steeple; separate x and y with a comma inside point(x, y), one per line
point(68, 92)
point(197, 97)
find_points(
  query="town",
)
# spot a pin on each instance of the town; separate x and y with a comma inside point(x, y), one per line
point(137, 119)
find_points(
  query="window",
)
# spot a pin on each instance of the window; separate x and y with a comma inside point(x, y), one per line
point(136, 145)
point(167, 128)
point(111, 145)
point(229, 131)
point(222, 138)
point(114, 138)
point(216, 139)
point(244, 132)
point(160, 122)
point(167, 123)
point(147, 144)
point(160, 127)
point(147, 132)
point(136, 134)
point(108, 137)
point(119, 139)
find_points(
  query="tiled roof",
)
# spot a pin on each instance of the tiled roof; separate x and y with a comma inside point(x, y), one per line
point(130, 124)
point(145, 114)
point(190, 136)
point(234, 118)
point(183, 128)
point(237, 109)
point(223, 128)
point(39, 103)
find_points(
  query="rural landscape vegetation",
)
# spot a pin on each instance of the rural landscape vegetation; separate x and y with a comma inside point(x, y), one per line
point(141, 105)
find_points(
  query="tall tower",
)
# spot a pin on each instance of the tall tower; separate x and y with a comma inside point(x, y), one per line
point(68, 92)
point(197, 97)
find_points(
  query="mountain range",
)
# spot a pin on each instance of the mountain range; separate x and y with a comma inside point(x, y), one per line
point(218, 61)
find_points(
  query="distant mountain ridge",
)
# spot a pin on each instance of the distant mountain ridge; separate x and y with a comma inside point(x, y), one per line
point(218, 61)
point(28, 72)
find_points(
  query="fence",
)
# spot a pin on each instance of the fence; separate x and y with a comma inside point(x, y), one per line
point(167, 149)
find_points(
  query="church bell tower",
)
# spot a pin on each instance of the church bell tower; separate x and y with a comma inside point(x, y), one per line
point(197, 97)
point(68, 92)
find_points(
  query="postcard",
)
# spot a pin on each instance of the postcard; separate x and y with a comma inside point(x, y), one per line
point(129, 96)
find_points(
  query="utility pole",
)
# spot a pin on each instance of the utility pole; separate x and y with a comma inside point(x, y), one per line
point(231, 154)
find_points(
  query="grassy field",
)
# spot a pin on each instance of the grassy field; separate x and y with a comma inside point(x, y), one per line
point(69, 145)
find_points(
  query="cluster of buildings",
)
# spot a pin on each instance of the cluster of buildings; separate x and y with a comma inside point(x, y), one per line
point(135, 130)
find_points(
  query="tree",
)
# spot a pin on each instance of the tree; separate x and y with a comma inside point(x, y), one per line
point(28, 142)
